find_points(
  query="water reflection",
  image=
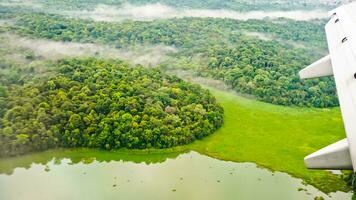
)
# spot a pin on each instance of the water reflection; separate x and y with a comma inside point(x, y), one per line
point(88, 174)
point(84, 156)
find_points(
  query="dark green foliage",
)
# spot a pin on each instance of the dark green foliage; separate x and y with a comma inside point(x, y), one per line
point(350, 178)
point(185, 33)
point(3, 92)
point(106, 104)
point(269, 71)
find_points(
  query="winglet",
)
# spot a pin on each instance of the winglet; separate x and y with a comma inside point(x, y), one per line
point(320, 68)
point(335, 156)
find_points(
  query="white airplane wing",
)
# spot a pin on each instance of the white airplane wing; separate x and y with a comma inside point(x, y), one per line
point(341, 63)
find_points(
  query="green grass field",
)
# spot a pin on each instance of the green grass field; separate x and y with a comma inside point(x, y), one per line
point(274, 137)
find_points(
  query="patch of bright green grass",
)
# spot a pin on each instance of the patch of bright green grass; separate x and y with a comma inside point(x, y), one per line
point(275, 137)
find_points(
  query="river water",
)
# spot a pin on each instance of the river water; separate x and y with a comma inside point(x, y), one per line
point(99, 175)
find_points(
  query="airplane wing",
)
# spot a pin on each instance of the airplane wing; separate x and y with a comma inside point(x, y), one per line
point(341, 63)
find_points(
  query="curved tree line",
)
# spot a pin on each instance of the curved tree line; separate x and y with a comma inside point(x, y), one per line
point(108, 105)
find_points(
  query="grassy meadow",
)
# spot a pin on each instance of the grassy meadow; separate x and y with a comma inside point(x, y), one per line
point(275, 137)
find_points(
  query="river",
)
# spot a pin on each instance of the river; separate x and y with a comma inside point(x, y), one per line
point(92, 174)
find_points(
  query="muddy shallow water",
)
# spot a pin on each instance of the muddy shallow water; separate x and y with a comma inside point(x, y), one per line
point(92, 174)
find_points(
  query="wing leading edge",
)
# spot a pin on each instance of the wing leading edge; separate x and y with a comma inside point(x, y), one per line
point(341, 63)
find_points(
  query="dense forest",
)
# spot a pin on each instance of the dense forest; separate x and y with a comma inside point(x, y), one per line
point(269, 72)
point(105, 104)
point(264, 68)
point(91, 92)
point(198, 32)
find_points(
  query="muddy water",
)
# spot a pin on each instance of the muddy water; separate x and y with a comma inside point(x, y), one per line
point(91, 174)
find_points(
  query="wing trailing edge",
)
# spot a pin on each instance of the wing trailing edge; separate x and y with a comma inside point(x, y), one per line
point(320, 68)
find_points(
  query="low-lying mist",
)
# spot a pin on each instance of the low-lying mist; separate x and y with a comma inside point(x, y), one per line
point(145, 55)
point(190, 76)
point(153, 11)
point(159, 11)
point(22, 3)
point(5, 22)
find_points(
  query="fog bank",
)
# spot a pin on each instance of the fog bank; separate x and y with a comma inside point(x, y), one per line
point(193, 78)
point(144, 55)
point(22, 3)
point(160, 11)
